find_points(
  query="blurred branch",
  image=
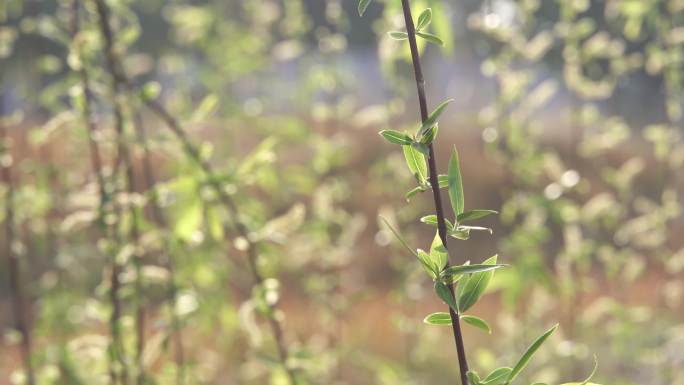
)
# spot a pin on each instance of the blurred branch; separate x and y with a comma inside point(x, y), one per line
point(19, 306)
point(116, 349)
point(116, 89)
point(225, 199)
point(161, 221)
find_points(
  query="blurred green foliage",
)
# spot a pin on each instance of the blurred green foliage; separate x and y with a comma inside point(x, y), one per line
point(569, 125)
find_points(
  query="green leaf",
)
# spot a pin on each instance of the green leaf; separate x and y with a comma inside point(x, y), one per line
point(477, 322)
point(398, 35)
point(474, 286)
point(497, 376)
point(438, 253)
point(443, 181)
point(399, 237)
point(474, 214)
point(427, 263)
point(429, 135)
point(424, 19)
point(416, 163)
point(444, 293)
point(525, 359)
point(469, 269)
point(432, 221)
point(363, 5)
point(439, 318)
point(413, 192)
point(420, 147)
point(433, 117)
point(455, 184)
point(429, 219)
point(460, 233)
point(473, 378)
point(475, 228)
point(430, 38)
point(396, 137)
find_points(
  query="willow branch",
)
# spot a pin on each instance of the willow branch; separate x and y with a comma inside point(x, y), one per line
point(432, 165)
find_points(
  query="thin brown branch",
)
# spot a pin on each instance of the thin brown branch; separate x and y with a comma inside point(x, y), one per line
point(432, 165)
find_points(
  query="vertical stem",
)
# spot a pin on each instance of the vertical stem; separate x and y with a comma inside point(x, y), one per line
point(21, 319)
point(116, 345)
point(432, 165)
point(116, 88)
point(161, 221)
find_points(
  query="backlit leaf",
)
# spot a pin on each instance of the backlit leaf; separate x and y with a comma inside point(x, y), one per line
point(477, 322)
point(455, 184)
point(439, 318)
point(525, 359)
point(363, 5)
point(472, 289)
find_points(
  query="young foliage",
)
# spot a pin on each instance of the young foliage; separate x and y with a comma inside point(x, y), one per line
point(471, 279)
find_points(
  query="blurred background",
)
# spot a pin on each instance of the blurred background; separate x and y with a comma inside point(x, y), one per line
point(567, 116)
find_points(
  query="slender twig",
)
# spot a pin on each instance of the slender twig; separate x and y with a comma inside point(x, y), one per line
point(116, 352)
point(432, 165)
point(117, 94)
point(19, 307)
point(163, 224)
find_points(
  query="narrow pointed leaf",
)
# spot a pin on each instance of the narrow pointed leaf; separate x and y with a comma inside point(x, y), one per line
point(477, 322)
point(460, 233)
point(473, 378)
point(443, 181)
point(438, 253)
point(497, 376)
point(474, 214)
point(455, 184)
point(439, 318)
point(427, 263)
point(413, 192)
point(430, 38)
point(433, 117)
point(432, 221)
point(469, 269)
point(525, 359)
point(473, 288)
point(444, 293)
point(429, 135)
point(363, 5)
point(474, 228)
point(424, 19)
point(416, 163)
point(420, 147)
point(396, 137)
point(399, 237)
